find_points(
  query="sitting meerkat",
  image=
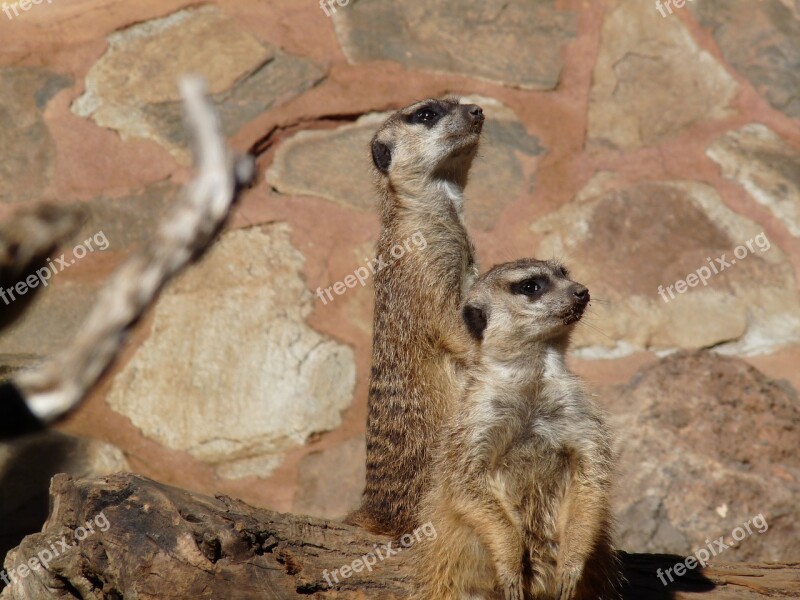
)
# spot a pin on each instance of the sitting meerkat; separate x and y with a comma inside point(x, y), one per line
point(522, 471)
point(422, 156)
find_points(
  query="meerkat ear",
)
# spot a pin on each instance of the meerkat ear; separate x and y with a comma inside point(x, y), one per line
point(475, 318)
point(381, 156)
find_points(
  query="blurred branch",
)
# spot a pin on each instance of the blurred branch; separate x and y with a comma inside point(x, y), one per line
point(58, 385)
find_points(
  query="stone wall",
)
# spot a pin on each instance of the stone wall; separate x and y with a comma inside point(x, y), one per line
point(645, 146)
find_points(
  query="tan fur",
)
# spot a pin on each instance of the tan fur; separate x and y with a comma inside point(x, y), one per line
point(522, 471)
point(418, 335)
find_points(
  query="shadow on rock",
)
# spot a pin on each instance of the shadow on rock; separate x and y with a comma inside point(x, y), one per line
point(645, 574)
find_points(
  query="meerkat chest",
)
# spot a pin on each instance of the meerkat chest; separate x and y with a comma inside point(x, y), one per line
point(452, 192)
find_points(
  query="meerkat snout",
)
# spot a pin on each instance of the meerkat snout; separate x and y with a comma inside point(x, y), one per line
point(476, 112)
point(581, 298)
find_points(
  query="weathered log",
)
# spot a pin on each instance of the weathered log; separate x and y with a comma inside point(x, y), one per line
point(124, 536)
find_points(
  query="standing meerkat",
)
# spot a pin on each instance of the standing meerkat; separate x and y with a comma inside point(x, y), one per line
point(422, 156)
point(522, 473)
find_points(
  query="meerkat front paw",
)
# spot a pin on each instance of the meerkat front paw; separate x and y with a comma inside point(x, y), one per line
point(567, 581)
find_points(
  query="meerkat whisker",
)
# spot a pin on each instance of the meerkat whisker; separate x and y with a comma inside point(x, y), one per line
point(589, 325)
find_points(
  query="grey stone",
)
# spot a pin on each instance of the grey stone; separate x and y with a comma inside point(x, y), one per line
point(762, 41)
point(518, 43)
point(27, 151)
point(129, 221)
point(51, 321)
point(133, 88)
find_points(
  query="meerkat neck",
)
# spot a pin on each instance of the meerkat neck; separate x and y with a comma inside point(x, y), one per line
point(424, 192)
point(453, 192)
point(430, 193)
point(538, 365)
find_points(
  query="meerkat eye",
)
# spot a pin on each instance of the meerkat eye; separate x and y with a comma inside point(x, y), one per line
point(425, 116)
point(533, 287)
point(529, 288)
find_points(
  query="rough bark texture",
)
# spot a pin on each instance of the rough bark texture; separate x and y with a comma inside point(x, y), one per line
point(152, 541)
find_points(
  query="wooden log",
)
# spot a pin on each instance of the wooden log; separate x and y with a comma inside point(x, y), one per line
point(125, 536)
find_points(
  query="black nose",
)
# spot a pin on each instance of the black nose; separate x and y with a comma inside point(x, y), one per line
point(582, 295)
point(476, 111)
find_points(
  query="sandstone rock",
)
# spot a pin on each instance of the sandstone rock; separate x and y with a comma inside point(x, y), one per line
point(26, 148)
point(514, 43)
point(706, 443)
point(766, 166)
point(28, 464)
point(762, 41)
point(651, 80)
point(336, 165)
point(133, 87)
point(231, 373)
point(629, 244)
point(331, 481)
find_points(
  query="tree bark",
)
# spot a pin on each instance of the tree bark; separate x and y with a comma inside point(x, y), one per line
point(125, 536)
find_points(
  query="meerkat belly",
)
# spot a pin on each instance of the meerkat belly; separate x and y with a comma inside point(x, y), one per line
point(536, 472)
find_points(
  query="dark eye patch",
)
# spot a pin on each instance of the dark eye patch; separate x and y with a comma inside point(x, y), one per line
point(427, 115)
point(533, 287)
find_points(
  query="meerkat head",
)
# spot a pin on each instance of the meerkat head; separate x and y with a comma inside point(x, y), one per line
point(432, 139)
point(519, 304)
